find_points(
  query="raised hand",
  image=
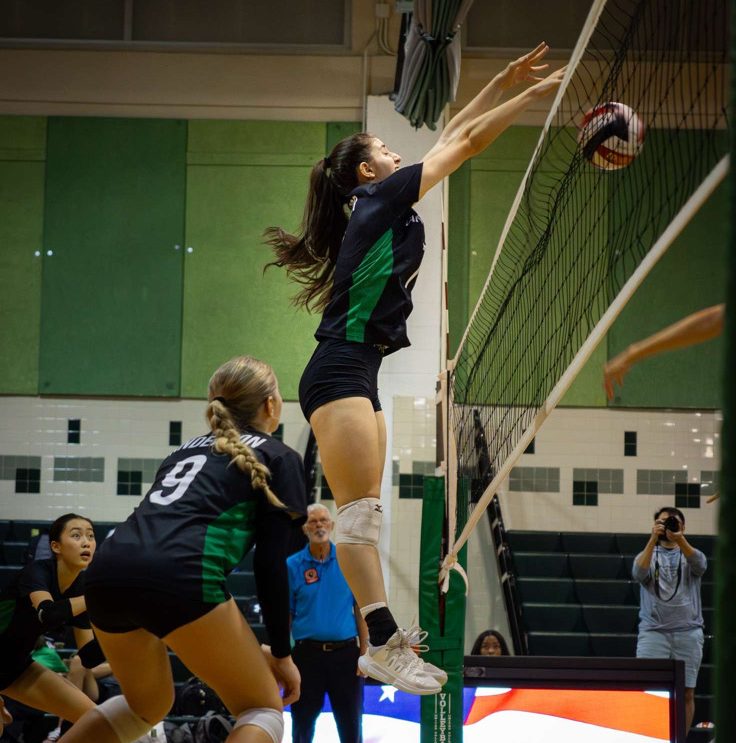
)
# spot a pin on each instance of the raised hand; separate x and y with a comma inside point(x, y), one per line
point(524, 69)
point(614, 372)
point(549, 84)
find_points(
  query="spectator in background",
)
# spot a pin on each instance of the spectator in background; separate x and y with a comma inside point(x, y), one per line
point(329, 633)
point(668, 571)
point(490, 642)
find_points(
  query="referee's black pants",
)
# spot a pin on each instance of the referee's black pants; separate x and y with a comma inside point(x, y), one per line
point(333, 672)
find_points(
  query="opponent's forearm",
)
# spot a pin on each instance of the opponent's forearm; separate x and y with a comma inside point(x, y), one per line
point(696, 328)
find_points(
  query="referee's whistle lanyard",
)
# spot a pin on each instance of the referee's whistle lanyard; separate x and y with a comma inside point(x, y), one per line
point(656, 576)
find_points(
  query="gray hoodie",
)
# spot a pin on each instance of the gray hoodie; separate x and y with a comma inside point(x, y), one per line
point(684, 610)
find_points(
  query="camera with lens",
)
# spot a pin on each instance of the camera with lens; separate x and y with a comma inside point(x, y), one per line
point(671, 523)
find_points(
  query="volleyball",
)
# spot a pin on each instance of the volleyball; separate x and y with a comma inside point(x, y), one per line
point(611, 135)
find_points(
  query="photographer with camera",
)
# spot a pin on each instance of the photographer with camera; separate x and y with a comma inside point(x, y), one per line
point(669, 570)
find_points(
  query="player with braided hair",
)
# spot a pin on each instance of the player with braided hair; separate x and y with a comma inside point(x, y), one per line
point(160, 579)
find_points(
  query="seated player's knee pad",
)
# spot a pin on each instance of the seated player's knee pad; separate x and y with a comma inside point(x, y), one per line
point(266, 718)
point(128, 726)
point(359, 522)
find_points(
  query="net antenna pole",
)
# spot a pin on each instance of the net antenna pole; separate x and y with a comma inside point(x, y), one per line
point(686, 213)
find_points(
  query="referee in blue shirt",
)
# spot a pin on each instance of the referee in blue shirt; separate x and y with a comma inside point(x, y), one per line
point(329, 635)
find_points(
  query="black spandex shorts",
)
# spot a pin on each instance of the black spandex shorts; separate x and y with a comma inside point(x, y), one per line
point(340, 369)
point(117, 610)
point(13, 662)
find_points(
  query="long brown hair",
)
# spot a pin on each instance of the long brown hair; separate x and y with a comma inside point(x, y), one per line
point(310, 255)
point(236, 391)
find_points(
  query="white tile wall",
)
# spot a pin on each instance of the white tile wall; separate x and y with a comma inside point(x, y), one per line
point(571, 438)
point(111, 429)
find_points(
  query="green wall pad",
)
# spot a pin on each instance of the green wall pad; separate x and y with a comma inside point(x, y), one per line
point(242, 178)
point(691, 275)
point(114, 217)
point(22, 166)
point(441, 714)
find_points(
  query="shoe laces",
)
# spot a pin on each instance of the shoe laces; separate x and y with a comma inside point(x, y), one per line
point(415, 637)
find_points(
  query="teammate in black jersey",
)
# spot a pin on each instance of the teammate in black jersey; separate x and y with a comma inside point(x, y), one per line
point(159, 580)
point(357, 258)
point(45, 596)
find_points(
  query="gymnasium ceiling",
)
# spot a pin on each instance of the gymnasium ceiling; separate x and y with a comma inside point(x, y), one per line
point(288, 26)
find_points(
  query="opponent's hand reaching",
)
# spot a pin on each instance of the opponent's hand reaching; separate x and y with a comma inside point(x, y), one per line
point(286, 674)
point(524, 69)
point(614, 372)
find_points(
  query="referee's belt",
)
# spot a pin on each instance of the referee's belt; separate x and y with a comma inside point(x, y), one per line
point(327, 646)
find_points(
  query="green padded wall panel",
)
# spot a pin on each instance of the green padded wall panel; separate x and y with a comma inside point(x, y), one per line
point(22, 156)
point(688, 277)
point(114, 216)
point(242, 178)
point(691, 275)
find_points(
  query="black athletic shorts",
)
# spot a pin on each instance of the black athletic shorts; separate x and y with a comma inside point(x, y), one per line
point(13, 662)
point(340, 369)
point(116, 610)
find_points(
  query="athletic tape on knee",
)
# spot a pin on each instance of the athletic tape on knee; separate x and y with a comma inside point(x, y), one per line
point(359, 522)
point(128, 726)
point(266, 718)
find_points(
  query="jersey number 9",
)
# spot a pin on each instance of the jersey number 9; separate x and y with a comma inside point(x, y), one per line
point(180, 478)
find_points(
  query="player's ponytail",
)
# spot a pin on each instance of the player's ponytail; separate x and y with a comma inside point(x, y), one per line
point(309, 257)
point(236, 391)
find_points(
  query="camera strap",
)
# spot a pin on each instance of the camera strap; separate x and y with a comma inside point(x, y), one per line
point(656, 576)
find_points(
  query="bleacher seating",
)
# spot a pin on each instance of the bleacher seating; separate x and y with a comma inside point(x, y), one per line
point(578, 597)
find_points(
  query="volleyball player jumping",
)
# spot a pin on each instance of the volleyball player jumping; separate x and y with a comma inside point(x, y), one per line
point(159, 581)
point(357, 258)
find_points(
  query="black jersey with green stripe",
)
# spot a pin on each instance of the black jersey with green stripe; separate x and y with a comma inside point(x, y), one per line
point(198, 520)
point(377, 264)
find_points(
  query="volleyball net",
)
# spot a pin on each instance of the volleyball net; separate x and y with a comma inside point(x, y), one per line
point(585, 227)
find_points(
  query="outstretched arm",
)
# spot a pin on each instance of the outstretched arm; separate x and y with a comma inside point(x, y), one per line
point(696, 328)
point(523, 69)
point(475, 135)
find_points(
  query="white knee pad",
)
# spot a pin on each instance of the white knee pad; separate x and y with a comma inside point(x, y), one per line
point(359, 522)
point(128, 726)
point(266, 718)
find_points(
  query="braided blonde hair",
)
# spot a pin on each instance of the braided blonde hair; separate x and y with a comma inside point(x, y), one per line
point(235, 393)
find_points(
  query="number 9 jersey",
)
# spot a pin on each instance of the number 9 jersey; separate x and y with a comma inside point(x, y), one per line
point(198, 520)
